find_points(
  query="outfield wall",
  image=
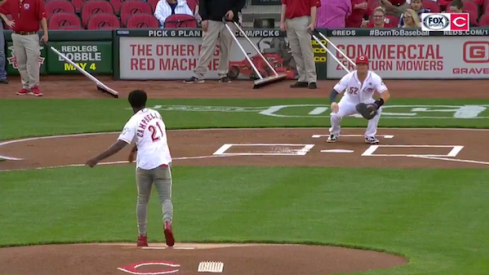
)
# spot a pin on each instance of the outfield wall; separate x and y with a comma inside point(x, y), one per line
point(158, 54)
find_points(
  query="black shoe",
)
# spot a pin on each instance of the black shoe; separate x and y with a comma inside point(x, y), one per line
point(193, 79)
point(313, 85)
point(4, 81)
point(225, 79)
point(299, 85)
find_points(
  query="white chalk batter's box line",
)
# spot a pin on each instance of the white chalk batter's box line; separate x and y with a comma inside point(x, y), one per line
point(453, 153)
point(301, 151)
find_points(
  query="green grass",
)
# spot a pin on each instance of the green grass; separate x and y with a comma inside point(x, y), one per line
point(433, 217)
point(40, 117)
point(436, 218)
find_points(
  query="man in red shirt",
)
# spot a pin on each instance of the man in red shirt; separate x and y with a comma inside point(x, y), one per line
point(298, 18)
point(26, 15)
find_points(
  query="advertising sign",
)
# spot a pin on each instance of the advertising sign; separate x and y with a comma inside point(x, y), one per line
point(177, 57)
point(93, 57)
point(12, 68)
point(415, 57)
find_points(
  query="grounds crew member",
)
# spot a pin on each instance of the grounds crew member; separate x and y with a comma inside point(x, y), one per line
point(298, 18)
point(26, 15)
point(212, 13)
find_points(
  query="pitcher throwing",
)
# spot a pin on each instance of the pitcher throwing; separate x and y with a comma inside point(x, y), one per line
point(147, 130)
point(360, 86)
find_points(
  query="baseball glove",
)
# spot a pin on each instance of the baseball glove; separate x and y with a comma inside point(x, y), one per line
point(368, 111)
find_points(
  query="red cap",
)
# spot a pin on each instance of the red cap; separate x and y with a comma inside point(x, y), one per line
point(363, 59)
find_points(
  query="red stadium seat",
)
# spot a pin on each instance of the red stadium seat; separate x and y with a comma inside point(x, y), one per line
point(391, 20)
point(117, 5)
point(485, 4)
point(153, 3)
point(371, 6)
point(178, 21)
point(192, 4)
point(62, 20)
point(473, 9)
point(103, 21)
point(484, 20)
point(142, 21)
point(133, 7)
point(432, 6)
point(95, 6)
point(487, 9)
point(78, 4)
point(55, 6)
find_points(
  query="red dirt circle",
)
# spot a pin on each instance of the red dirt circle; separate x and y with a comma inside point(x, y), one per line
point(120, 259)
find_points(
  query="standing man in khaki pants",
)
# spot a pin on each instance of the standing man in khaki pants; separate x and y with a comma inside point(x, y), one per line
point(26, 15)
point(212, 13)
point(298, 18)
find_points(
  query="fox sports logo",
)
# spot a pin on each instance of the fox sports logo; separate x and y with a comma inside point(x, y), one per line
point(436, 22)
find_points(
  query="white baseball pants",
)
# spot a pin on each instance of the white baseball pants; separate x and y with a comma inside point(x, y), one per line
point(347, 108)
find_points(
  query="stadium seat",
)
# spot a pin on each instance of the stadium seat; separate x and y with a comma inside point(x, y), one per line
point(62, 20)
point(55, 6)
point(484, 20)
point(487, 9)
point(78, 4)
point(473, 9)
point(153, 3)
point(133, 7)
point(391, 20)
point(372, 4)
point(432, 6)
point(103, 21)
point(142, 21)
point(485, 5)
point(192, 4)
point(178, 21)
point(117, 5)
point(95, 6)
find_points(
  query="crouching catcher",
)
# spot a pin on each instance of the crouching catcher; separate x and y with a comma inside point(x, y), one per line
point(360, 86)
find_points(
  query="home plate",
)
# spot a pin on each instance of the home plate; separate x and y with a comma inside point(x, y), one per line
point(337, 151)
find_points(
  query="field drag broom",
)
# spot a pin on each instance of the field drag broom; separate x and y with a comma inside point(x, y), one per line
point(261, 81)
point(100, 86)
point(313, 33)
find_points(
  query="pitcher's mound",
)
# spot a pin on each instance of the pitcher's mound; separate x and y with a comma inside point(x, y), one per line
point(256, 259)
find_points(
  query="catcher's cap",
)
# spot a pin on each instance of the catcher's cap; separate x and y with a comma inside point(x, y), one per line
point(362, 59)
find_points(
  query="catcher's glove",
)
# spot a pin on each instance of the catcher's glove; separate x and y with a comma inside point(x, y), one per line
point(368, 111)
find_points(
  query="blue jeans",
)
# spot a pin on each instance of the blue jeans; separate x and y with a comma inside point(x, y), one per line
point(3, 70)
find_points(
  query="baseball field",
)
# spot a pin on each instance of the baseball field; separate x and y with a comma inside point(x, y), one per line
point(257, 190)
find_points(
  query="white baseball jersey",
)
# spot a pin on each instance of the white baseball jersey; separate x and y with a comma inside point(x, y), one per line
point(357, 92)
point(147, 130)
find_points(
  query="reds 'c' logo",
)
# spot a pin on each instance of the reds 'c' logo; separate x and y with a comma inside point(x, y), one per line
point(13, 59)
point(132, 268)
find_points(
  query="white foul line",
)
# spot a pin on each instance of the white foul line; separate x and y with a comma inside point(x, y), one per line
point(110, 163)
point(9, 158)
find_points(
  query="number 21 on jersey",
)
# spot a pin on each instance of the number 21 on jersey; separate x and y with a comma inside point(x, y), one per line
point(156, 131)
